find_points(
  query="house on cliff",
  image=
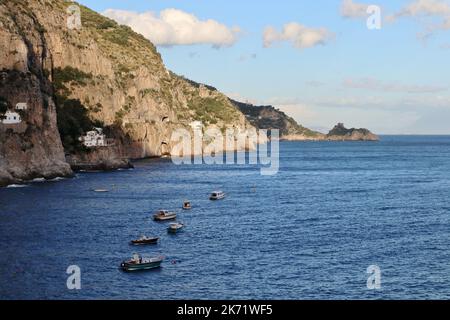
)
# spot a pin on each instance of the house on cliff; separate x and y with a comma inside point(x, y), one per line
point(11, 117)
point(21, 106)
point(94, 138)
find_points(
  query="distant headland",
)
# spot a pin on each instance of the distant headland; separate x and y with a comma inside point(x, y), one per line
point(268, 117)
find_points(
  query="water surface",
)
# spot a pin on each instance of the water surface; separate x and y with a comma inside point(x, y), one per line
point(309, 232)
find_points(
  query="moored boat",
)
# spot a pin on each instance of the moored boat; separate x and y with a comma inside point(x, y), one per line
point(217, 195)
point(175, 227)
point(138, 263)
point(164, 215)
point(145, 240)
point(187, 205)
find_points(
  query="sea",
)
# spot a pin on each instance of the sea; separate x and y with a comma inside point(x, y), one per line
point(340, 220)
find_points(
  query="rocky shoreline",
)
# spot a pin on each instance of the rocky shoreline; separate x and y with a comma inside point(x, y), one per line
point(7, 179)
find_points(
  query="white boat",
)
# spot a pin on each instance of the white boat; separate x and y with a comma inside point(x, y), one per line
point(164, 215)
point(217, 195)
point(175, 227)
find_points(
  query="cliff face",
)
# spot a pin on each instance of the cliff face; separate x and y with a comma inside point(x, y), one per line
point(120, 78)
point(267, 117)
point(100, 75)
point(340, 133)
point(31, 149)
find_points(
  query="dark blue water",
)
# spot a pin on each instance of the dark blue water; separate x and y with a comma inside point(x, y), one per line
point(309, 232)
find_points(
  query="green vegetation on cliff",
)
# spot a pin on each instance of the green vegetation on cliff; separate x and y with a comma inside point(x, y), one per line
point(72, 116)
point(267, 117)
point(210, 110)
point(73, 122)
point(69, 75)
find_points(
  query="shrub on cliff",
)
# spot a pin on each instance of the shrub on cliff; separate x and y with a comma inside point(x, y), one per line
point(67, 75)
point(3, 105)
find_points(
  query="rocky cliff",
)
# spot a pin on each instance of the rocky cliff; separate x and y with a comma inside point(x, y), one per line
point(97, 74)
point(32, 148)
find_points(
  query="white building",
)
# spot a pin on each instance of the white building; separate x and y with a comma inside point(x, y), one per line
point(11, 118)
point(21, 106)
point(94, 138)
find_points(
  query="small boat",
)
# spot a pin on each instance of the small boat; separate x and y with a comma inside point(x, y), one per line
point(164, 215)
point(138, 263)
point(217, 195)
point(101, 190)
point(175, 227)
point(145, 240)
point(187, 205)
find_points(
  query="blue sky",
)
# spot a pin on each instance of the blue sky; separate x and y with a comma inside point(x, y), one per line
point(393, 80)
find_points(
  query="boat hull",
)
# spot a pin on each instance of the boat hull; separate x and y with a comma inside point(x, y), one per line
point(174, 230)
point(168, 218)
point(216, 198)
point(128, 267)
point(144, 242)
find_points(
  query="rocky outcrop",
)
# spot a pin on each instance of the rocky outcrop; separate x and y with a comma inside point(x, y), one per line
point(340, 133)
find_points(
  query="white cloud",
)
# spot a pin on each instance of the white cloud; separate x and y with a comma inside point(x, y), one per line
point(426, 7)
point(176, 27)
point(298, 35)
point(350, 9)
point(432, 9)
point(377, 85)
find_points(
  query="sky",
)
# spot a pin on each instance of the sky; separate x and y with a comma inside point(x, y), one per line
point(316, 60)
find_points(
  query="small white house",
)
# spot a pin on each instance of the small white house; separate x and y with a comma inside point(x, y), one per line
point(21, 106)
point(11, 118)
point(94, 138)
